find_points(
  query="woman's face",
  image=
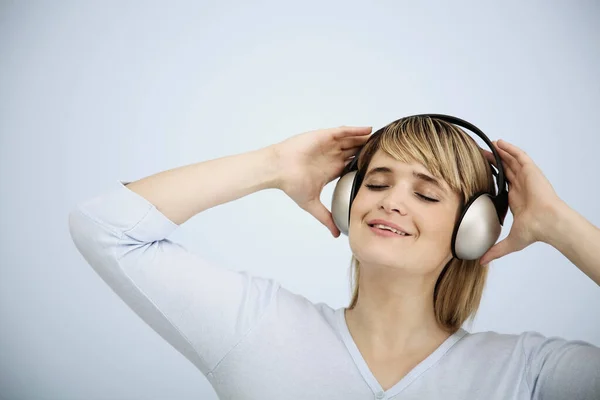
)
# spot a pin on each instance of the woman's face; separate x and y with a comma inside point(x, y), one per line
point(409, 198)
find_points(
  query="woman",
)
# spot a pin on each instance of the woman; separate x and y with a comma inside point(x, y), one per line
point(401, 336)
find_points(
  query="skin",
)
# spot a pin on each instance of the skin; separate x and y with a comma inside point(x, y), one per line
point(394, 313)
point(539, 215)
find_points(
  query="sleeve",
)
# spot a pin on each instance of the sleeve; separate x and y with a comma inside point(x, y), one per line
point(560, 369)
point(200, 309)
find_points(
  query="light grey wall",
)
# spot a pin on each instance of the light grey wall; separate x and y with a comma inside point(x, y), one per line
point(91, 93)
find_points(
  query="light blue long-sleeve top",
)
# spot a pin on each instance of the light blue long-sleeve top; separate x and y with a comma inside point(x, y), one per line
point(253, 339)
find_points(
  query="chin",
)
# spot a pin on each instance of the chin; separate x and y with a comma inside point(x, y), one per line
point(377, 252)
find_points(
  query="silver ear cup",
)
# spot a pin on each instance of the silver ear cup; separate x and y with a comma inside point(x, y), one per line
point(340, 202)
point(478, 229)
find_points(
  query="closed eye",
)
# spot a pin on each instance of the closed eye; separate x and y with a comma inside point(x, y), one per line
point(376, 187)
point(427, 198)
point(381, 187)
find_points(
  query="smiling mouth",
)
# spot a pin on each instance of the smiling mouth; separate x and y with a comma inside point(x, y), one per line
point(387, 231)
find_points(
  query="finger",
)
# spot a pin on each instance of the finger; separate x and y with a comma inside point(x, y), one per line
point(349, 153)
point(348, 131)
point(508, 172)
point(510, 176)
point(322, 214)
point(509, 160)
point(488, 155)
point(498, 250)
point(515, 152)
point(353, 142)
point(348, 161)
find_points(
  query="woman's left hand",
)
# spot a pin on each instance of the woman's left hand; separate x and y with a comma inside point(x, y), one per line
point(531, 198)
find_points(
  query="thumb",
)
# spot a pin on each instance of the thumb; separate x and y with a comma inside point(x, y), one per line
point(322, 214)
point(498, 250)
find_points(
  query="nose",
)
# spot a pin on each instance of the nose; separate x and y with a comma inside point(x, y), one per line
point(393, 202)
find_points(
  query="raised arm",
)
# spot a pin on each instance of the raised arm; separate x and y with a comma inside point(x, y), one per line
point(540, 215)
point(300, 166)
point(576, 238)
point(183, 192)
point(202, 310)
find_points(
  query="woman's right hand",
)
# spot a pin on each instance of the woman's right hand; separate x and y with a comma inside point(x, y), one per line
point(310, 160)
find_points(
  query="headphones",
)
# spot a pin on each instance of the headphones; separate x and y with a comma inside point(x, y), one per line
point(481, 218)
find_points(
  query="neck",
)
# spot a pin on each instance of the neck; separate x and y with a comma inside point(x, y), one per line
point(394, 312)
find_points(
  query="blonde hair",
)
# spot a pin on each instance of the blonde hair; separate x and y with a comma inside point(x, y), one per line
point(452, 155)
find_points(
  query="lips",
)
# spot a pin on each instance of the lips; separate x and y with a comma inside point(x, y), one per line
point(388, 223)
point(389, 234)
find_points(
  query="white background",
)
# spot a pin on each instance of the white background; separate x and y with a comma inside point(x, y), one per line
point(91, 93)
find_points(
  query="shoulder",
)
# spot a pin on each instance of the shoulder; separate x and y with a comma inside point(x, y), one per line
point(530, 347)
point(496, 345)
point(498, 340)
point(491, 342)
point(546, 367)
point(297, 307)
point(527, 340)
point(553, 367)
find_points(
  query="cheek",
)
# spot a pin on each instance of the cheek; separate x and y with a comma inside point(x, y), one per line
point(439, 226)
point(355, 221)
point(358, 207)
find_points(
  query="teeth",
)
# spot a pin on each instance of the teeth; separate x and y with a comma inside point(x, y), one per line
point(389, 228)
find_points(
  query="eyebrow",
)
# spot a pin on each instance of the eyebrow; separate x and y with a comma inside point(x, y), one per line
point(419, 175)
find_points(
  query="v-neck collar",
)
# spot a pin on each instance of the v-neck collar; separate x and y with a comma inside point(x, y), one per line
point(368, 376)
